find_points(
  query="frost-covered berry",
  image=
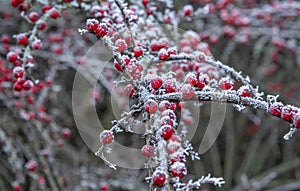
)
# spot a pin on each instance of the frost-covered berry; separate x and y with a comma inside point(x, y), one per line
point(138, 51)
point(27, 85)
point(225, 83)
point(54, 13)
point(31, 165)
point(175, 138)
point(191, 79)
point(151, 106)
point(170, 113)
point(66, 132)
point(16, 3)
point(287, 112)
point(145, 2)
point(177, 157)
point(296, 120)
point(156, 83)
point(202, 81)
point(11, 56)
point(104, 187)
point(178, 169)
point(46, 8)
point(275, 109)
point(148, 151)
point(106, 137)
point(22, 39)
point(172, 146)
point(129, 90)
point(41, 25)
point(244, 91)
point(187, 91)
point(17, 86)
point(101, 30)
point(188, 10)
point(163, 54)
point(164, 105)
point(169, 86)
point(36, 44)
point(92, 24)
point(166, 131)
point(159, 178)
point(17, 187)
point(166, 120)
point(121, 45)
point(34, 17)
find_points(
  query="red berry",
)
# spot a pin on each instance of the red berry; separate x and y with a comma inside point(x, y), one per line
point(36, 44)
point(244, 91)
point(17, 187)
point(34, 17)
point(166, 131)
point(104, 187)
point(15, 3)
point(151, 106)
point(287, 112)
point(172, 146)
point(31, 165)
point(92, 24)
point(279, 43)
point(41, 25)
point(275, 109)
point(118, 66)
point(145, 2)
point(163, 54)
point(175, 138)
point(106, 137)
point(56, 49)
point(121, 45)
point(66, 132)
point(22, 39)
point(23, 7)
point(154, 47)
point(46, 8)
point(202, 81)
point(11, 56)
point(17, 86)
point(129, 90)
point(191, 79)
point(170, 113)
point(45, 153)
point(166, 120)
point(159, 178)
point(5, 39)
point(41, 180)
point(187, 91)
point(138, 51)
point(27, 85)
point(169, 86)
point(225, 83)
point(101, 30)
point(188, 10)
point(177, 157)
point(54, 13)
point(178, 169)
point(156, 83)
point(164, 105)
point(296, 120)
point(148, 151)
point(18, 72)
point(59, 143)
